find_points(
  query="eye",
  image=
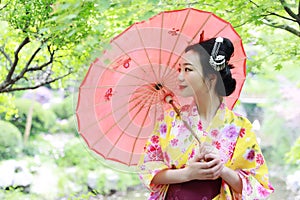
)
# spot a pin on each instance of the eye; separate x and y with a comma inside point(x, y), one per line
point(187, 69)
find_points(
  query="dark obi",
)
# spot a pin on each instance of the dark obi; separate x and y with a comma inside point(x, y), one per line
point(194, 190)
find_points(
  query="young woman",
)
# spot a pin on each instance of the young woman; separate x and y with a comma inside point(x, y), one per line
point(228, 163)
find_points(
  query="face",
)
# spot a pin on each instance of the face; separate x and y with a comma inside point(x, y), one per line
point(191, 81)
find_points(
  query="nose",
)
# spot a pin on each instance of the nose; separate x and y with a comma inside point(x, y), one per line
point(180, 76)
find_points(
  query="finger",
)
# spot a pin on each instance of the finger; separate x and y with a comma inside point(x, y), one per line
point(211, 156)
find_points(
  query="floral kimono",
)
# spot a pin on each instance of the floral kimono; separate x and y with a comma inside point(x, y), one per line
point(172, 145)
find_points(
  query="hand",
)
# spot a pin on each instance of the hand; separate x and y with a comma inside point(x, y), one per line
point(205, 170)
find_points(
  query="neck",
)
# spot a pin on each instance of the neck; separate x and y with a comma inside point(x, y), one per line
point(208, 107)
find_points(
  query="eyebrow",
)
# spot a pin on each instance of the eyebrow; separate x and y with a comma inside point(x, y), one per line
point(186, 64)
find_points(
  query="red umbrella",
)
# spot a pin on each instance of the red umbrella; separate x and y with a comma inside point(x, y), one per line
point(124, 91)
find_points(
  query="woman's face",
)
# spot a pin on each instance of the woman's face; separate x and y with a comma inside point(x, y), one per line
point(190, 79)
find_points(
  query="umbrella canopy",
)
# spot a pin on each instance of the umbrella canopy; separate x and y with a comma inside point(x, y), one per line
point(124, 90)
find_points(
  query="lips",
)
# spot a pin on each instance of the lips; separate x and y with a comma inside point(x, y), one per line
point(181, 87)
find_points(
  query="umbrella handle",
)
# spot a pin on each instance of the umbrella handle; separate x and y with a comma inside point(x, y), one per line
point(170, 101)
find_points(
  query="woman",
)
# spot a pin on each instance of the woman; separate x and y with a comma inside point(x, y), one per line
point(228, 164)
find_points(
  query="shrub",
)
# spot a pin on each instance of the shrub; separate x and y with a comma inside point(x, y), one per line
point(75, 154)
point(65, 126)
point(64, 109)
point(10, 140)
point(42, 119)
point(293, 156)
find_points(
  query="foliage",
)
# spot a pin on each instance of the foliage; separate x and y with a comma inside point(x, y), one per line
point(76, 154)
point(10, 140)
point(43, 41)
point(64, 109)
point(42, 119)
point(293, 156)
point(37, 145)
point(7, 107)
point(65, 126)
point(17, 194)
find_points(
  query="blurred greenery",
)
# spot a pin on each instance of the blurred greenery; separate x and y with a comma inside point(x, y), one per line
point(42, 119)
point(10, 140)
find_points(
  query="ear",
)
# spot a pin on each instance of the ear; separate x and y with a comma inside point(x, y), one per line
point(212, 80)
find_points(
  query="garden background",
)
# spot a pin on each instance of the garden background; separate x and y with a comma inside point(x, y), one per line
point(46, 47)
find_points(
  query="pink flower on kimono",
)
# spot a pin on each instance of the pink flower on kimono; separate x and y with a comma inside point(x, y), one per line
point(174, 142)
point(172, 114)
point(249, 188)
point(217, 144)
point(230, 131)
point(200, 127)
point(231, 149)
point(163, 129)
point(155, 139)
point(192, 154)
point(262, 191)
point(154, 153)
point(260, 159)
point(249, 155)
point(222, 106)
point(214, 133)
point(242, 132)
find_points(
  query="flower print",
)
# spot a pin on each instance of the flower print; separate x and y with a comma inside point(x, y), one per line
point(217, 144)
point(253, 172)
point(200, 127)
point(231, 149)
point(230, 131)
point(185, 108)
point(173, 124)
point(161, 117)
point(167, 157)
point(260, 159)
point(249, 188)
point(204, 133)
point(249, 155)
point(214, 133)
point(192, 154)
point(142, 167)
point(262, 191)
point(163, 129)
point(172, 113)
point(155, 139)
point(154, 153)
point(242, 132)
point(174, 142)
point(222, 106)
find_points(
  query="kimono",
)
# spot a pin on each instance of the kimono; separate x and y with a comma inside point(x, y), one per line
point(171, 145)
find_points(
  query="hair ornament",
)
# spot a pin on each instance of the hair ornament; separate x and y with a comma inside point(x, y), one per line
point(217, 61)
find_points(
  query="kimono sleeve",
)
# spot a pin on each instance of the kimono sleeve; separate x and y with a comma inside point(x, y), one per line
point(250, 164)
point(152, 160)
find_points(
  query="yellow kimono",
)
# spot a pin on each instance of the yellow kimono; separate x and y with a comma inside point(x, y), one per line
point(172, 145)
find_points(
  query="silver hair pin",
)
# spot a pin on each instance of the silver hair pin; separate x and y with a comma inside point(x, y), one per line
point(217, 61)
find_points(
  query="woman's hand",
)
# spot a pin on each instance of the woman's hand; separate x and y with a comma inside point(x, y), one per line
point(206, 165)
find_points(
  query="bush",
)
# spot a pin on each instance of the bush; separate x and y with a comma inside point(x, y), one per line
point(42, 119)
point(10, 140)
point(293, 156)
point(75, 154)
point(65, 126)
point(64, 109)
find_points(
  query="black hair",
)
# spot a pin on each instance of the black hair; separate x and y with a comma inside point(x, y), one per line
point(226, 84)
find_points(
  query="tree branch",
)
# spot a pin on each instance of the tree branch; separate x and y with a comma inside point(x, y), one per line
point(4, 6)
point(45, 64)
point(35, 86)
point(289, 11)
point(6, 55)
point(16, 59)
point(284, 27)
